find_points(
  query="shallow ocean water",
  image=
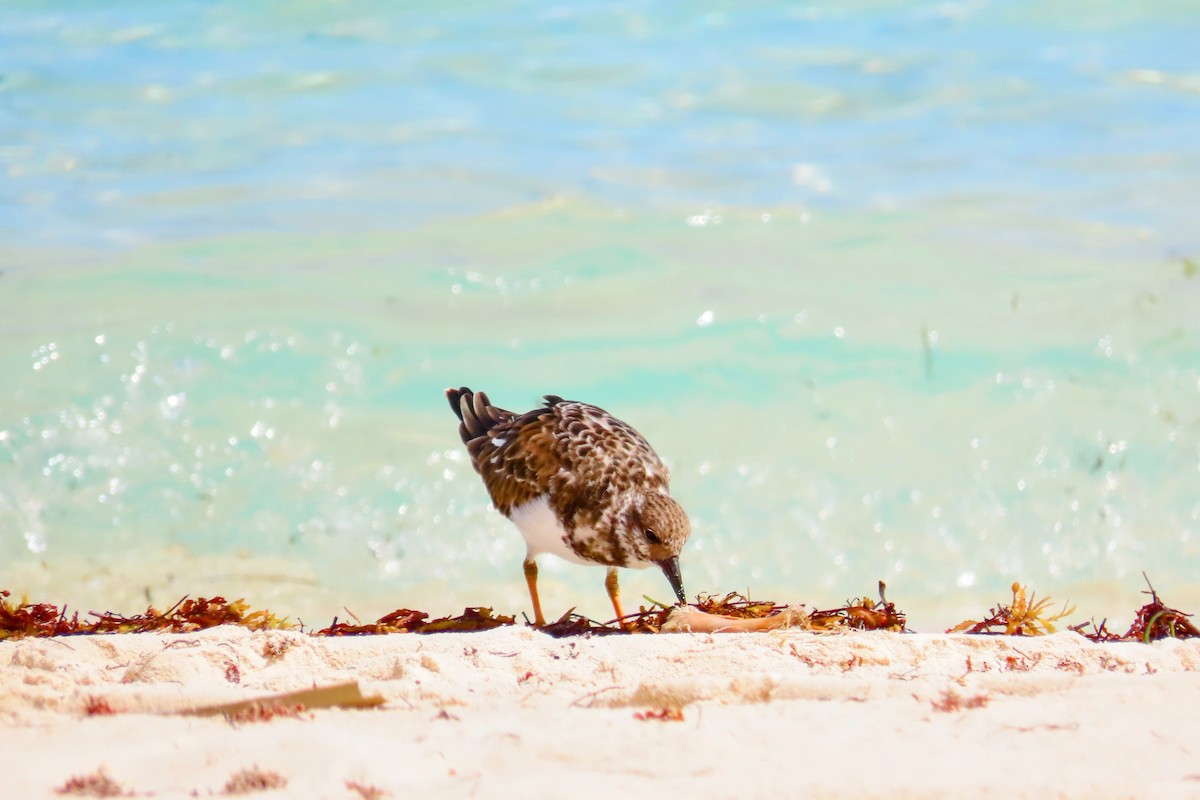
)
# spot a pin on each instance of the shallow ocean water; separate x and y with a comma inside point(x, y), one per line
point(900, 292)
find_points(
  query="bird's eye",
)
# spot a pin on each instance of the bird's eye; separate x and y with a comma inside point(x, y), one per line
point(652, 537)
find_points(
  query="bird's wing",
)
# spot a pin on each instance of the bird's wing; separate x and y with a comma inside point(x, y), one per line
point(574, 452)
point(517, 460)
point(600, 450)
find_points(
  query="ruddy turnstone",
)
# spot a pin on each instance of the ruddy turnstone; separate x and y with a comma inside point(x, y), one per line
point(578, 483)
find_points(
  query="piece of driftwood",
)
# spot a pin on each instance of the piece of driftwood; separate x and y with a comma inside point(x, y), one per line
point(341, 695)
point(688, 619)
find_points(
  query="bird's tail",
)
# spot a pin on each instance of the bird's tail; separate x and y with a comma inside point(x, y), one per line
point(475, 412)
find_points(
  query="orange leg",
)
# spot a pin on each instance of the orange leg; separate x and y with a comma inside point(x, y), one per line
point(614, 593)
point(531, 579)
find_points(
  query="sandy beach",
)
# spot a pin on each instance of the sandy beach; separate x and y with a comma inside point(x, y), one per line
point(514, 713)
point(780, 302)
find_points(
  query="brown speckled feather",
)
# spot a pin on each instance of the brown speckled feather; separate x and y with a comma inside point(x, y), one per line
point(573, 452)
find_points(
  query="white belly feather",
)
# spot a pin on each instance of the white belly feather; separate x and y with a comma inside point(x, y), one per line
point(538, 523)
point(543, 534)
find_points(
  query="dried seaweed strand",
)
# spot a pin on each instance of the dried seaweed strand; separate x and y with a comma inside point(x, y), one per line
point(1153, 621)
point(862, 614)
point(1025, 616)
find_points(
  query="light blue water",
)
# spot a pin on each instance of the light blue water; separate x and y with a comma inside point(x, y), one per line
point(899, 291)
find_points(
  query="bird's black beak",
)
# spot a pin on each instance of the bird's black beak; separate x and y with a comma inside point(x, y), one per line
point(670, 568)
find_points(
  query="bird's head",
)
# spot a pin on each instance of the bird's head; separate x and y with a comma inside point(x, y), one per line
point(660, 528)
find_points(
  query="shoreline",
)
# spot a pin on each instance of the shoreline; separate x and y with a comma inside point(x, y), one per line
point(484, 714)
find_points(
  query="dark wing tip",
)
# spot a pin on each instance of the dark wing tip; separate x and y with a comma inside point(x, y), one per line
point(454, 396)
point(476, 412)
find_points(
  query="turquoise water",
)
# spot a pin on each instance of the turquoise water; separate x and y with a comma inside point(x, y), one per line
point(898, 291)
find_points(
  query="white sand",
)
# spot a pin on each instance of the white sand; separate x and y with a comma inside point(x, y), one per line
point(785, 714)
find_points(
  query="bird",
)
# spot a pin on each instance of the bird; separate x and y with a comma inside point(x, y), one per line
point(578, 483)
